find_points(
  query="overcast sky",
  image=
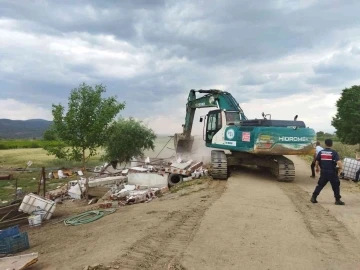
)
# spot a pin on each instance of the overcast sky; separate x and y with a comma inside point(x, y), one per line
point(282, 57)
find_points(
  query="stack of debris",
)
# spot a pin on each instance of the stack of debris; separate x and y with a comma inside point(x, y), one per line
point(141, 182)
point(64, 173)
point(130, 194)
point(59, 192)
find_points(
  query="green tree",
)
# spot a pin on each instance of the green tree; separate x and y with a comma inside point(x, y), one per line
point(50, 134)
point(320, 134)
point(128, 138)
point(346, 120)
point(84, 127)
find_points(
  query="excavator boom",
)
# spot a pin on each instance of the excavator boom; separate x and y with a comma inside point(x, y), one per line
point(212, 98)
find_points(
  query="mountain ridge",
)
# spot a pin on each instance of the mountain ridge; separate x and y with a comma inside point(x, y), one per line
point(23, 129)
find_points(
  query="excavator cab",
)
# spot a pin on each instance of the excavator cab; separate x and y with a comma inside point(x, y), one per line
point(232, 118)
point(215, 122)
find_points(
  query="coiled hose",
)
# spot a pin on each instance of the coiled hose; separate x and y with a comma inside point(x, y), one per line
point(87, 217)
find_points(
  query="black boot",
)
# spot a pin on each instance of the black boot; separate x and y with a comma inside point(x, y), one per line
point(313, 199)
point(339, 202)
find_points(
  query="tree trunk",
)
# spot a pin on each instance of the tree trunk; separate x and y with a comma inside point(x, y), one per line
point(86, 176)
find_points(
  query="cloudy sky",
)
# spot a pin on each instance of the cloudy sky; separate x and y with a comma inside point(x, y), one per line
point(283, 57)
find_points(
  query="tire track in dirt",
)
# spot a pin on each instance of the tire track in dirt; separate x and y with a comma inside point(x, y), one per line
point(333, 236)
point(165, 243)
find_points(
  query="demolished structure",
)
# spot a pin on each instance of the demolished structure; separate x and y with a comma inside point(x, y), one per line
point(135, 184)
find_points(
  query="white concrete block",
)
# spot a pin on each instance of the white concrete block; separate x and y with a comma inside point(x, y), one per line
point(106, 181)
point(187, 179)
point(130, 187)
point(148, 179)
point(182, 165)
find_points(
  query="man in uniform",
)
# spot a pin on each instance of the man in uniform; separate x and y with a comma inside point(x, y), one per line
point(318, 149)
point(331, 167)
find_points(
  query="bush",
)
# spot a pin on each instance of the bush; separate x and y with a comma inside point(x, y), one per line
point(344, 150)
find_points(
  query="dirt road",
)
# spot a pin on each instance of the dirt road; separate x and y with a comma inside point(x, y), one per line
point(260, 224)
point(248, 222)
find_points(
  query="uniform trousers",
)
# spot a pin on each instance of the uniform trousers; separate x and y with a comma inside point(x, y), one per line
point(325, 177)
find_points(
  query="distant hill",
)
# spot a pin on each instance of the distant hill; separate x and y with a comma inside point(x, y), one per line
point(23, 129)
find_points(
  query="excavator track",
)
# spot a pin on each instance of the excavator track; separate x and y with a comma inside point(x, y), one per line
point(219, 165)
point(283, 169)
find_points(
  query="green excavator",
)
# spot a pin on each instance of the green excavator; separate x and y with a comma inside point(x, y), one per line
point(262, 142)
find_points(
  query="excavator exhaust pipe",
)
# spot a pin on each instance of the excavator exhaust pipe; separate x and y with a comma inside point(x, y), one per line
point(183, 144)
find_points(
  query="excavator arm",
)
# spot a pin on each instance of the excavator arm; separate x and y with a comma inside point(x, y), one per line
point(212, 98)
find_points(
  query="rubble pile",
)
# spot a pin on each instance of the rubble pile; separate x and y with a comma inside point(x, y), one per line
point(110, 186)
point(59, 192)
point(142, 182)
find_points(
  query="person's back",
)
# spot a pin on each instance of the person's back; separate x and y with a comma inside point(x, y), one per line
point(318, 149)
point(312, 166)
point(327, 160)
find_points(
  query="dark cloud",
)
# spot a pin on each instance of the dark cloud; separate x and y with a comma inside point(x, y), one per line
point(339, 69)
point(151, 53)
point(97, 17)
point(230, 31)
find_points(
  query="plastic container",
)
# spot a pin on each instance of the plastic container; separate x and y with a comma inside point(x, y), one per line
point(34, 220)
point(32, 202)
point(14, 244)
point(9, 231)
point(351, 166)
point(40, 212)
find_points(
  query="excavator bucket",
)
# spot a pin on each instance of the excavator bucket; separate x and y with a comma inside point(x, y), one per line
point(183, 144)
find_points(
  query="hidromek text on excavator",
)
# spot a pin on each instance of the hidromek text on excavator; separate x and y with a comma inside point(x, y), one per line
point(261, 142)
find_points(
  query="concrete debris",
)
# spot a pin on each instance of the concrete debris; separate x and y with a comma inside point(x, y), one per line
point(137, 169)
point(186, 179)
point(148, 179)
point(75, 191)
point(120, 194)
point(98, 191)
point(142, 182)
point(133, 196)
point(61, 174)
point(187, 169)
point(107, 168)
point(182, 165)
point(106, 181)
point(59, 192)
